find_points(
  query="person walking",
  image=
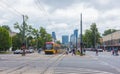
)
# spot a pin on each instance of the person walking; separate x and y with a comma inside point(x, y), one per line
point(113, 51)
point(96, 52)
point(73, 52)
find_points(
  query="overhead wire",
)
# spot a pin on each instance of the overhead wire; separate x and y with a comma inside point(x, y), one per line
point(41, 8)
point(46, 12)
point(9, 6)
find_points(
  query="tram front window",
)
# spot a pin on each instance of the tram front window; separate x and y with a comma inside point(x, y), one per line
point(49, 46)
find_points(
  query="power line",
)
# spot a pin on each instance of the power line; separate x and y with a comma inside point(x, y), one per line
point(41, 8)
point(13, 9)
point(38, 7)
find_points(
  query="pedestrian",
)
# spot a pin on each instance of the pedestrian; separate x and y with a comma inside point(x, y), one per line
point(66, 51)
point(113, 51)
point(84, 51)
point(96, 52)
point(73, 52)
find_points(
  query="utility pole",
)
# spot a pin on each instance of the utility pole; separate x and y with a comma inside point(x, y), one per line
point(95, 39)
point(23, 29)
point(23, 37)
point(76, 39)
point(81, 43)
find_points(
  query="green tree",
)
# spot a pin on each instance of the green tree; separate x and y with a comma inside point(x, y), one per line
point(6, 27)
point(5, 39)
point(23, 28)
point(58, 42)
point(36, 34)
point(40, 36)
point(45, 37)
point(91, 36)
point(95, 35)
point(109, 31)
point(87, 38)
point(16, 42)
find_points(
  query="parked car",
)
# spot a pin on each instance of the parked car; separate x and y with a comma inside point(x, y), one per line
point(17, 51)
point(31, 50)
point(100, 50)
point(39, 50)
point(27, 51)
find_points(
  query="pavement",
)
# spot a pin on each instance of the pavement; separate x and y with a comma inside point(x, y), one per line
point(104, 63)
point(35, 63)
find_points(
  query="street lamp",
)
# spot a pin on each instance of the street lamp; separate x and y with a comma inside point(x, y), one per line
point(81, 43)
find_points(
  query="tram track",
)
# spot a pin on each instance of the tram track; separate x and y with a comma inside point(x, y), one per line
point(21, 68)
point(50, 68)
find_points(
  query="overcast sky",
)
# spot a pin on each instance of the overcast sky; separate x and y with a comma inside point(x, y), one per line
point(61, 16)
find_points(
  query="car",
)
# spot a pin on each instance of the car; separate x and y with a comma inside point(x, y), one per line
point(31, 50)
point(27, 51)
point(100, 50)
point(17, 51)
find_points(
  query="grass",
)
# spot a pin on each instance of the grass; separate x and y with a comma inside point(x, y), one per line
point(78, 53)
point(5, 52)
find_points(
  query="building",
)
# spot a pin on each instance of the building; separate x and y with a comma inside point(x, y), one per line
point(54, 36)
point(12, 34)
point(65, 39)
point(76, 37)
point(111, 40)
point(72, 40)
point(76, 33)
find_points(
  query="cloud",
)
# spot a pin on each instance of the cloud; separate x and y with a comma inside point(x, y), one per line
point(62, 16)
point(104, 2)
point(3, 21)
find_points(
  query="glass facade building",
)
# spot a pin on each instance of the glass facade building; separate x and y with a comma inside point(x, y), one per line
point(65, 39)
point(54, 36)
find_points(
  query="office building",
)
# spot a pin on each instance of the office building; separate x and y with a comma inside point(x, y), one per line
point(54, 36)
point(65, 39)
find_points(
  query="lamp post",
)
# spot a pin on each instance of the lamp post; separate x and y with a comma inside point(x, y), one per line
point(81, 43)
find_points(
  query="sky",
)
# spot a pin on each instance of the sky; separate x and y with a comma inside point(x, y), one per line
point(61, 16)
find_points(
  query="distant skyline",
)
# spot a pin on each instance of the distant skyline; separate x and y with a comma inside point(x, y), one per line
point(65, 39)
point(61, 16)
point(54, 36)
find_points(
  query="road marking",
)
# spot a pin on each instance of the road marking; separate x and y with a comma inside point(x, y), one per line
point(105, 63)
point(50, 68)
point(25, 66)
point(68, 70)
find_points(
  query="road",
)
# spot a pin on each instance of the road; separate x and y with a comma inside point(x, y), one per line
point(36, 63)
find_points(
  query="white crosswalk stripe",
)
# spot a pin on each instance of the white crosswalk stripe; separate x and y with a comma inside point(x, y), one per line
point(66, 70)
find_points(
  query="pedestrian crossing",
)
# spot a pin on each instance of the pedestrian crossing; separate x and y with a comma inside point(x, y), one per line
point(67, 70)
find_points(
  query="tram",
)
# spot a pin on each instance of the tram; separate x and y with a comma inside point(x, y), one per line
point(51, 48)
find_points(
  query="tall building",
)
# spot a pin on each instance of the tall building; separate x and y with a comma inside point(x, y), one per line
point(76, 33)
point(72, 40)
point(65, 39)
point(54, 36)
point(76, 37)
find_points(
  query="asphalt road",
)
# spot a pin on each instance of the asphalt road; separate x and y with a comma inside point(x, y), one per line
point(104, 63)
point(36, 63)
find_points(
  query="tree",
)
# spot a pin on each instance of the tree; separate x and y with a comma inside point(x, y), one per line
point(91, 36)
point(16, 42)
point(24, 28)
point(36, 34)
point(5, 39)
point(109, 31)
point(87, 38)
point(95, 35)
point(40, 36)
point(58, 42)
point(6, 27)
point(45, 37)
